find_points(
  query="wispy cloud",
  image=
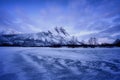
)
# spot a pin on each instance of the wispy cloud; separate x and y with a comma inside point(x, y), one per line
point(79, 17)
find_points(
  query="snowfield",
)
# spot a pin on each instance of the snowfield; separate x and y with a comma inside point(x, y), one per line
point(18, 63)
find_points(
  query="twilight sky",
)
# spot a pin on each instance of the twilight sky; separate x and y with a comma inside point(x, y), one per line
point(83, 18)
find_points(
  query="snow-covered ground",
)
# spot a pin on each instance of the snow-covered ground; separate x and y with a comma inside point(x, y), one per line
point(17, 63)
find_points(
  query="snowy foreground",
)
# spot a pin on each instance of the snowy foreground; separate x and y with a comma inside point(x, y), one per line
point(59, 64)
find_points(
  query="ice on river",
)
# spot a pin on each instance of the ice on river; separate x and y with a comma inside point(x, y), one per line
point(17, 63)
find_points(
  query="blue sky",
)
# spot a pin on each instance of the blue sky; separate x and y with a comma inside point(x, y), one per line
point(83, 18)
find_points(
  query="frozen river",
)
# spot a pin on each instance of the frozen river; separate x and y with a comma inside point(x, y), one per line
point(17, 63)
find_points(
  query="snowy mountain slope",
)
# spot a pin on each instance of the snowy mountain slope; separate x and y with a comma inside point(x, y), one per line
point(8, 32)
point(59, 37)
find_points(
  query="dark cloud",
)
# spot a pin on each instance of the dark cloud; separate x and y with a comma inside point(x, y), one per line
point(112, 30)
point(6, 20)
point(117, 20)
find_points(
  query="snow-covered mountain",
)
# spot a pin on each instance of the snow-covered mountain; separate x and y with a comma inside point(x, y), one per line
point(8, 31)
point(57, 37)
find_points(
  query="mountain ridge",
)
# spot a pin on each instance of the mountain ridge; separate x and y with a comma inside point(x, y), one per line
point(58, 37)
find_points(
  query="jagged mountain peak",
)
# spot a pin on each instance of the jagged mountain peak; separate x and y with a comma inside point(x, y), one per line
point(49, 38)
